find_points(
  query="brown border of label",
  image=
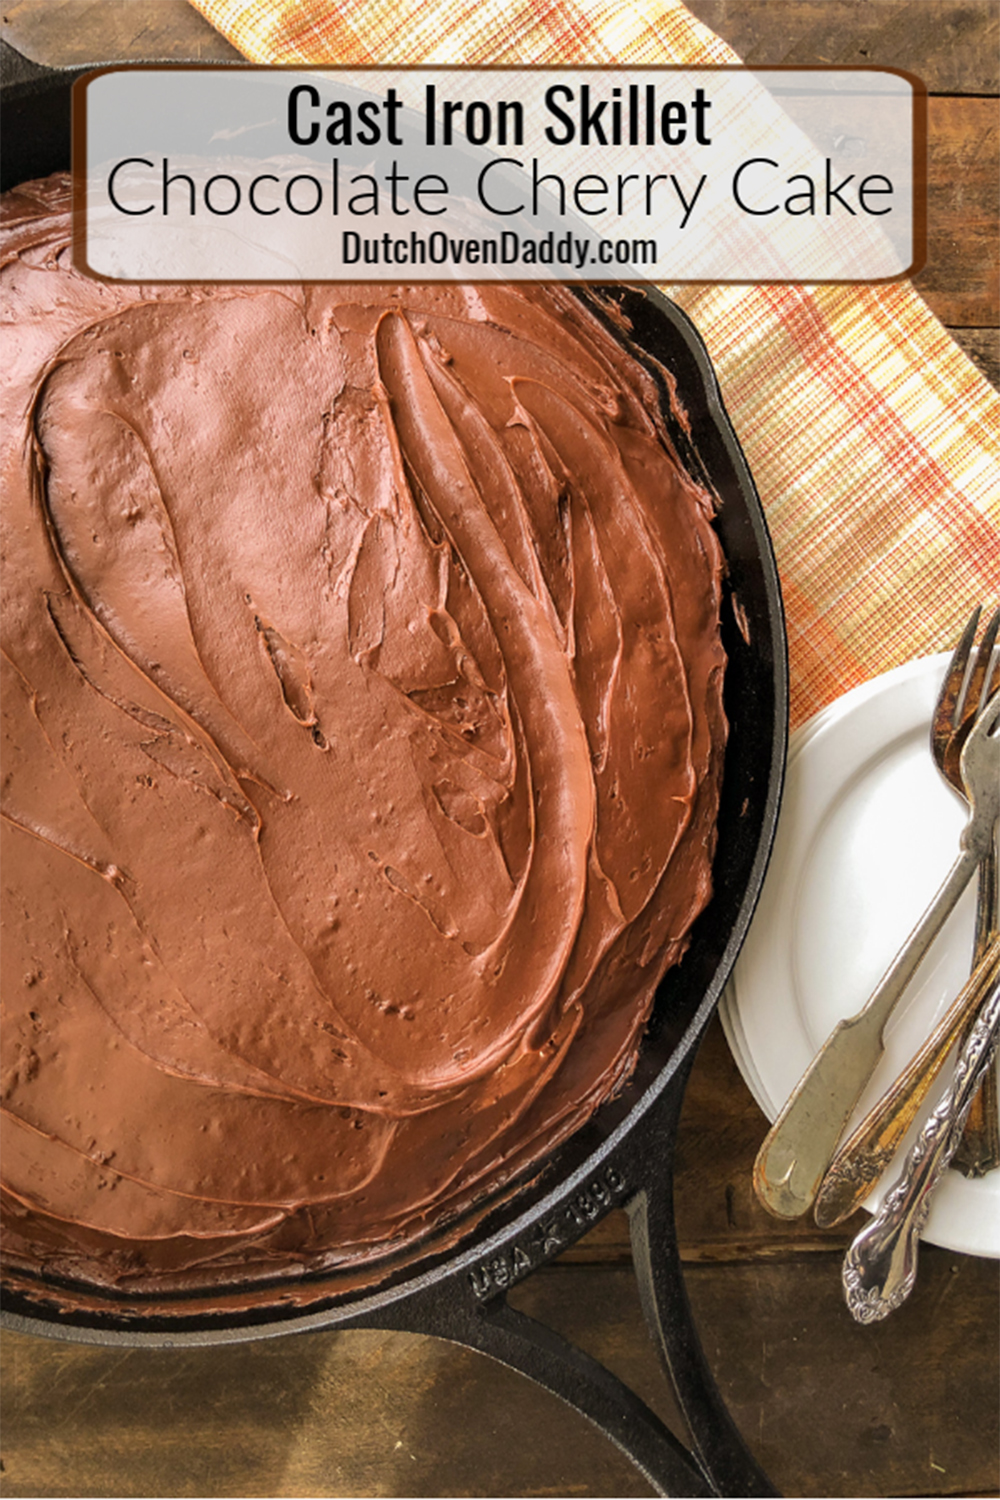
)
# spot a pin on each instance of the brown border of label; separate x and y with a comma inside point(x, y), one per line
point(78, 155)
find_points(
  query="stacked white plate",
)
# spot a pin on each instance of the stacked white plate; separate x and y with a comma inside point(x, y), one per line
point(868, 830)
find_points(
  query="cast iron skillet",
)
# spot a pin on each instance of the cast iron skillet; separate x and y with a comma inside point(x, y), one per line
point(623, 1156)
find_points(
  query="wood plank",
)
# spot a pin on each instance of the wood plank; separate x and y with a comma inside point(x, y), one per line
point(829, 1407)
point(952, 47)
point(982, 345)
point(63, 33)
point(961, 281)
point(908, 1406)
point(321, 1414)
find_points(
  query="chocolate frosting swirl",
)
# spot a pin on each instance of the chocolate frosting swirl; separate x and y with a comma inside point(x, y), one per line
point(363, 730)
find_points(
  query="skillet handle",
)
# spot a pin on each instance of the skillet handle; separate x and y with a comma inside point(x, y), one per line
point(721, 1463)
point(718, 1443)
point(558, 1366)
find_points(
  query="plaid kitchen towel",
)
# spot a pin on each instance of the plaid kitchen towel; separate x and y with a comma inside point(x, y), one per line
point(874, 441)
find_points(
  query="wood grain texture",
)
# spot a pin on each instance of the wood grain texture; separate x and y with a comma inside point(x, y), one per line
point(906, 1408)
point(952, 46)
point(961, 280)
point(828, 1407)
point(63, 33)
point(982, 345)
point(321, 1414)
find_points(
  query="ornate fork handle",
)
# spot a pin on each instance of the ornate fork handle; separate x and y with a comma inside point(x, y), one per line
point(881, 1265)
point(861, 1160)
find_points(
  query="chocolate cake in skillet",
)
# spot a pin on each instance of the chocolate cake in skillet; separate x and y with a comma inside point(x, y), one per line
point(363, 736)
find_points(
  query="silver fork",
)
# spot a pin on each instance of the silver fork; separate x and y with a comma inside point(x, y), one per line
point(969, 681)
point(972, 677)
point(881, 1265)
point(801, 1143)
point(863, 1158)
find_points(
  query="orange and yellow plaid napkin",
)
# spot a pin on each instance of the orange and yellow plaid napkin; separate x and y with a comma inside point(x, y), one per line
point(874, 441)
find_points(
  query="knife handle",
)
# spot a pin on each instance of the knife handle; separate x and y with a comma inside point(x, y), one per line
point(801, 1143)
point(791, 1163)
point(861, 1160)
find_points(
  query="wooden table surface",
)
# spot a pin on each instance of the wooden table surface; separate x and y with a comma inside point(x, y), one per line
point(909, 1407)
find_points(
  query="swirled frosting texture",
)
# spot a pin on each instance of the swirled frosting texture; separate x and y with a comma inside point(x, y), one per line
point(362, 702)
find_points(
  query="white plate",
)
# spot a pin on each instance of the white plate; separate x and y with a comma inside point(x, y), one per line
point(867, 832)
